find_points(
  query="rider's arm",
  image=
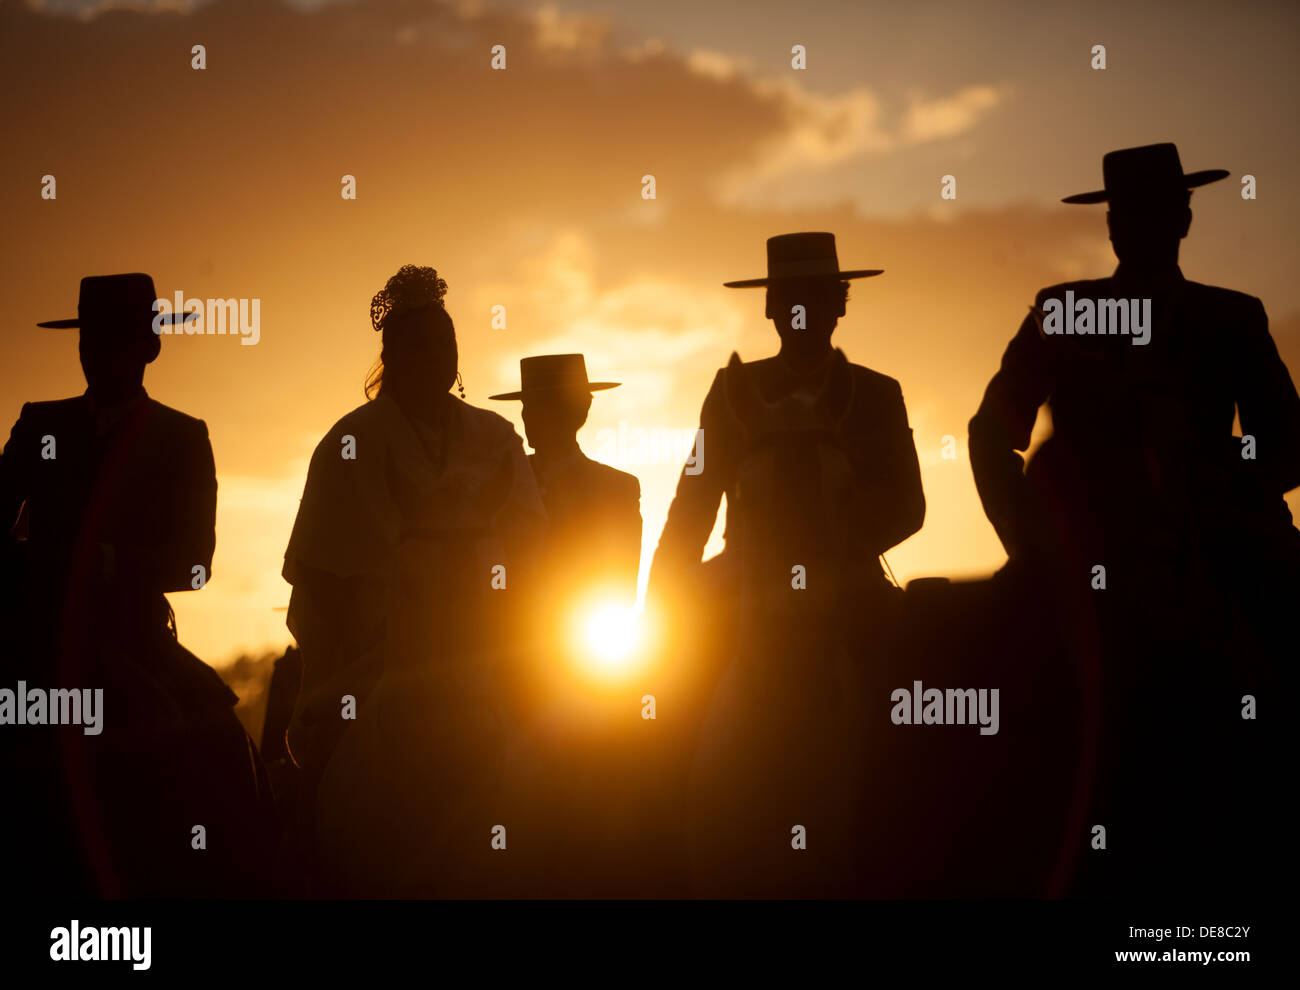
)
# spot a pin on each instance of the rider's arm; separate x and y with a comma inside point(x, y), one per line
point(699, 489)
point(1268, 404)
point(892, 499)
point(1003, 425)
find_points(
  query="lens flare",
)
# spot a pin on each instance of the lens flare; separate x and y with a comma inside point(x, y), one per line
point(610, 636)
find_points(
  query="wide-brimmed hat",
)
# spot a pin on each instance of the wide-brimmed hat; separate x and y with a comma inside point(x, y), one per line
point(124, 301)
point(554, 373)
point(799, 256)
point(1152, 171)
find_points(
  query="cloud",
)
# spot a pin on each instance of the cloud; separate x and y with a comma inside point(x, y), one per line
point(716, 65)
point(650, 331)
point(821, 132)
point(949, 116)
point(568, 33)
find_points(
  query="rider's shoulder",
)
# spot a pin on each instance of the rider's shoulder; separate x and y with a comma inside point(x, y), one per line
point(1223, 299)
point(1083, 287)
point(864, 379)
point(873, 379)
point(719, 383)
point(175, 420)
point(759, 365)
point(52, 409)
point(611, 478)
point(370, 415)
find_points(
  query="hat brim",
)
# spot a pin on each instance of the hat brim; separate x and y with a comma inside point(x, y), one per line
point(1190, 181)
point(170, 319)
point(591, 387)
point(755, 283)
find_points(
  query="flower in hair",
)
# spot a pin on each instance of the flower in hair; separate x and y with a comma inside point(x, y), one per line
point(413, 287)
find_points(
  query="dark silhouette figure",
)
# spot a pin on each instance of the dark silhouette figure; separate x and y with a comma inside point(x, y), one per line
point(816, 459)
point(1144, 478)
point(774, 407)
point(589, 794)
point(418, 525)
point(594, 510)
point(872, 429)
point(281, 695)
point(117, 494)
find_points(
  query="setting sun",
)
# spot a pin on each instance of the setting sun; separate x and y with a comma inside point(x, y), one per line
point(610, 637)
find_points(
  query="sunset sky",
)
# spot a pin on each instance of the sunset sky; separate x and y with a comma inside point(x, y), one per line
point(523, 188)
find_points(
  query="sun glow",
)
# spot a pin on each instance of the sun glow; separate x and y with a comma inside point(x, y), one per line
point(610, 639)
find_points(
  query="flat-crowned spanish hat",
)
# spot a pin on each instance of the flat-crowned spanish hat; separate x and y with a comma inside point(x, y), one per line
point(1150, 172)
point(120, 302)
point(800, 256)
point(554, 373)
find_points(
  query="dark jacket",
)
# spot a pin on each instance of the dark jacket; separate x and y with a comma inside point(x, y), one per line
point(116, 510)
point(874, 434)
point(594, 534)
point(1142, 434)
point(147, 487)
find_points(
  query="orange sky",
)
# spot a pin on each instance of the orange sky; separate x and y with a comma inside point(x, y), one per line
point(523, 188)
